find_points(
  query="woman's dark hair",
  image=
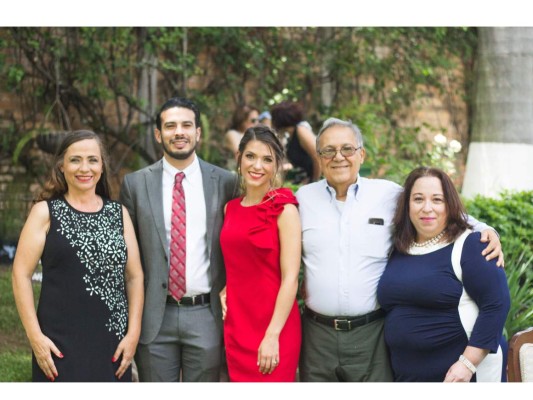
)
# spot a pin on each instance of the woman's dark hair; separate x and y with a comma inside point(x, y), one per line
point(456, 223)
point(286, 114)
point(56, 185)
point(240, 116)
point(267, 136)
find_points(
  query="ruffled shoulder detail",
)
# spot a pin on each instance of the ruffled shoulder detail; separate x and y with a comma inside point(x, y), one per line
point(275, 200)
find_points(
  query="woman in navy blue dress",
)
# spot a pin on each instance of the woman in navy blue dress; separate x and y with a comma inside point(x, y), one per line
point(446, 305)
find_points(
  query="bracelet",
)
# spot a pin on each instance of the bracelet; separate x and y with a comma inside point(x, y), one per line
point(468, 364)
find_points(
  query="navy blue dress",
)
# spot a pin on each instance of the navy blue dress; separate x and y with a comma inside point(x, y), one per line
point(83, 307)
point(423, 327)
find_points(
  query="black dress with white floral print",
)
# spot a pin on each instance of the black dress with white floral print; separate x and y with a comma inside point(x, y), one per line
point(83, 307)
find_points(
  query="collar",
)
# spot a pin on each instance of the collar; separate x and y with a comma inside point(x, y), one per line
point(190, 171)
point(353, 188)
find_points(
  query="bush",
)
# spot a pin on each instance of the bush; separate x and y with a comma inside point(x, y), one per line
point(520, 281)
point(512, 216)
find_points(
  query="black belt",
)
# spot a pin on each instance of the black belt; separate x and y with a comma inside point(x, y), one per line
point(345, 323)
point(197, 300)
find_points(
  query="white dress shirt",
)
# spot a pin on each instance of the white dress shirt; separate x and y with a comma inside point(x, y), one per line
point(197, 261)
point(346, 246)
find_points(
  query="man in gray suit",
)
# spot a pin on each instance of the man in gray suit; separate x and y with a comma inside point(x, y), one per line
point(180, 340)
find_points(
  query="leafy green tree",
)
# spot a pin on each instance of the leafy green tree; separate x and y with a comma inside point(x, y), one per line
point(112, 80)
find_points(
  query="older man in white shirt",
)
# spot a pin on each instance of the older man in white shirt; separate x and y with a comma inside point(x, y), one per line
point(346, 237)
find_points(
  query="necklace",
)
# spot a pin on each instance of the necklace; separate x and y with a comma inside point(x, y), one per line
point(430, 242)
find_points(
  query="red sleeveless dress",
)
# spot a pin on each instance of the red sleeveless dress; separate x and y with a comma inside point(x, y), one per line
point(250, 245)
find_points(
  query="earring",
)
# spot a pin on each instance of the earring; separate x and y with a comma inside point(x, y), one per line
point(242, 184)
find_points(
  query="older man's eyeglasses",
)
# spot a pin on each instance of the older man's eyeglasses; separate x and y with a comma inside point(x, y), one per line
point(346, 151)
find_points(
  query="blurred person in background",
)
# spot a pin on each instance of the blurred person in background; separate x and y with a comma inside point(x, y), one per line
point(299, 141)
point(244, 117)
point(265, 118)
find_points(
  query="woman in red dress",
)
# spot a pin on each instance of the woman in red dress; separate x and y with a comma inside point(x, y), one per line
point(261, 244)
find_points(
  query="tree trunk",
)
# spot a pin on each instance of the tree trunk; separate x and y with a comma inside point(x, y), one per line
point(500, 154)
point(327, 85)
point(148, 95)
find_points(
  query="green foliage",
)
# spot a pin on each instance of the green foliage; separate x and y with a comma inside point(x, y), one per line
point(15, 366)
point(15, 351)
point(381, 158)
point(511, 215)
point(9, 320)
point(390, 69)
point(20, 145)
point(14, 208)
point(15, 74)
point(8, 141)
point(395, 159)
point(519, 271)
point(390, 64)
point(96, 77)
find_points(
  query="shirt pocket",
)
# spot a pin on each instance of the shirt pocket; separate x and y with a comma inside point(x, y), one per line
point(375, 240)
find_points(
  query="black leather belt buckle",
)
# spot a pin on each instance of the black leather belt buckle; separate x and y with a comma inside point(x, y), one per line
point(342, 324)
point(347, 323)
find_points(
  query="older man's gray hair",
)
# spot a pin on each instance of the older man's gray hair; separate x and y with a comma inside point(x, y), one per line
point(331, 122)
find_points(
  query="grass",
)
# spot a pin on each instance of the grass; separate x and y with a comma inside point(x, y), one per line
point(15, 351)
point(15, 366)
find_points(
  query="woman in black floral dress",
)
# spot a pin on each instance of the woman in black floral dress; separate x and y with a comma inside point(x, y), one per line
point(88, 320)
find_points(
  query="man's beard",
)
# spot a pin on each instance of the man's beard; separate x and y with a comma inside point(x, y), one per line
point(176, 154)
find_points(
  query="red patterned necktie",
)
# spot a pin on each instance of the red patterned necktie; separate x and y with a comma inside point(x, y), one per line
point(176, 279)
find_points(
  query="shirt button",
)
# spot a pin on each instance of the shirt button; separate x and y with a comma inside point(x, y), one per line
point(164, 285)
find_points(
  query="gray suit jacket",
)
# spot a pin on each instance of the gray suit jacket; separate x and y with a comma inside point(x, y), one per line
point(141, 193)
